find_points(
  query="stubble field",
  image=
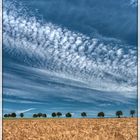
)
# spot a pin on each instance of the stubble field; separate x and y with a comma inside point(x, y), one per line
point(70, 129)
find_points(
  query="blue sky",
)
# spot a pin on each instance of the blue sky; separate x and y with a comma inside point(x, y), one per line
point(69, 56)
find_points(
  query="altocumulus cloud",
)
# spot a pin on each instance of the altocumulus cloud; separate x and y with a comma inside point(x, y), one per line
point(57, 49)
point(48, 63)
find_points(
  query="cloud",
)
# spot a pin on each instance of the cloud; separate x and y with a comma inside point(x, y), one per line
point(9, 110)
point(102, 64)
point(21, 101)
point(24, 111)
point(46, 94)
point(64, 69)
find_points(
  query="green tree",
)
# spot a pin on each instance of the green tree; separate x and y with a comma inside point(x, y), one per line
point(44, 115)
point(54, 114)
point(84, 114)
point(119, 113)
point(68, 115)
point(13, 115)
point(39, 115)
point(21, 115)
point(9, 115)
point(101, 114)
point(5, 115)
point(35, 115)
point(132, 112)
point(59, 114)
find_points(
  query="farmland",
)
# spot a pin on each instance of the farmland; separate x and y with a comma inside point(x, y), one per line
point(70, 129)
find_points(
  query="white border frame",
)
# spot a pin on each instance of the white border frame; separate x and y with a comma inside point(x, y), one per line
point(138, 70)
point(1, 70)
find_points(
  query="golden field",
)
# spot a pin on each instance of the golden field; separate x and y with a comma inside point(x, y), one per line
point(70, 129)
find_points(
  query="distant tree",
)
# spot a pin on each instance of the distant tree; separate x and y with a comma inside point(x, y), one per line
point(9, 115)
point(21, 115)
point(44, 115)
point(132, 112)
point(84, 114)
point(119, 113)
point(59, 114)
point(101, 114)
point(68, 115)
point(13, 115)
point(5, 115)
point(54, 114)
point(35, 115)
point(39, 115)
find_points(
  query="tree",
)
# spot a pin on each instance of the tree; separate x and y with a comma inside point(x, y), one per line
point(132, 112)
point(119, 113)
point(9, 115)
point(59, 114)
point(21, 115)
point(83, 114)
point(35, 115)
point(5, 115)
point(101, 114)
point(39, 115)
point(13, 115)
point(54, 114)
point(68, 115)
point(44, 115)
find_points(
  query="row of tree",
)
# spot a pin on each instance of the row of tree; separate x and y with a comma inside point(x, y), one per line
point(13, 115)
point(54, 114)
point(68, 115)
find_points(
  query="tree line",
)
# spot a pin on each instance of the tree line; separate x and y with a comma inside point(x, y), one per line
point(67, 115)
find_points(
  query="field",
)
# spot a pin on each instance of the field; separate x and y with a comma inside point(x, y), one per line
point(70, 129)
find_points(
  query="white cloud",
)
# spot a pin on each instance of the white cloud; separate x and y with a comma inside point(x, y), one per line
point(74, 55)
point(9, 110)
point(21, 101)
point(24, 111)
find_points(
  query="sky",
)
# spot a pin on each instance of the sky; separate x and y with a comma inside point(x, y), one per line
point(69, 56)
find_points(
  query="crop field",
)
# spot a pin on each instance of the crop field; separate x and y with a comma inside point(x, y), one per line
point(70, 129)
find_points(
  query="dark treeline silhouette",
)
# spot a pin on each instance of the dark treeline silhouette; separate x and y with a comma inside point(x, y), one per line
point(132, 112)
point(39, 115)
point(118, 114)
point(13, 115)
point(68, 115)
point(54, 114)
point(84, 114)
point(59, 114)
point(101, 114)
point(21, 115)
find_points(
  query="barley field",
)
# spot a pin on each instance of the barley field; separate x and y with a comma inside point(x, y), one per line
point(70, 129)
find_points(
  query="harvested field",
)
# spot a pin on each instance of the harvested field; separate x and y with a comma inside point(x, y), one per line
point(70, 129)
